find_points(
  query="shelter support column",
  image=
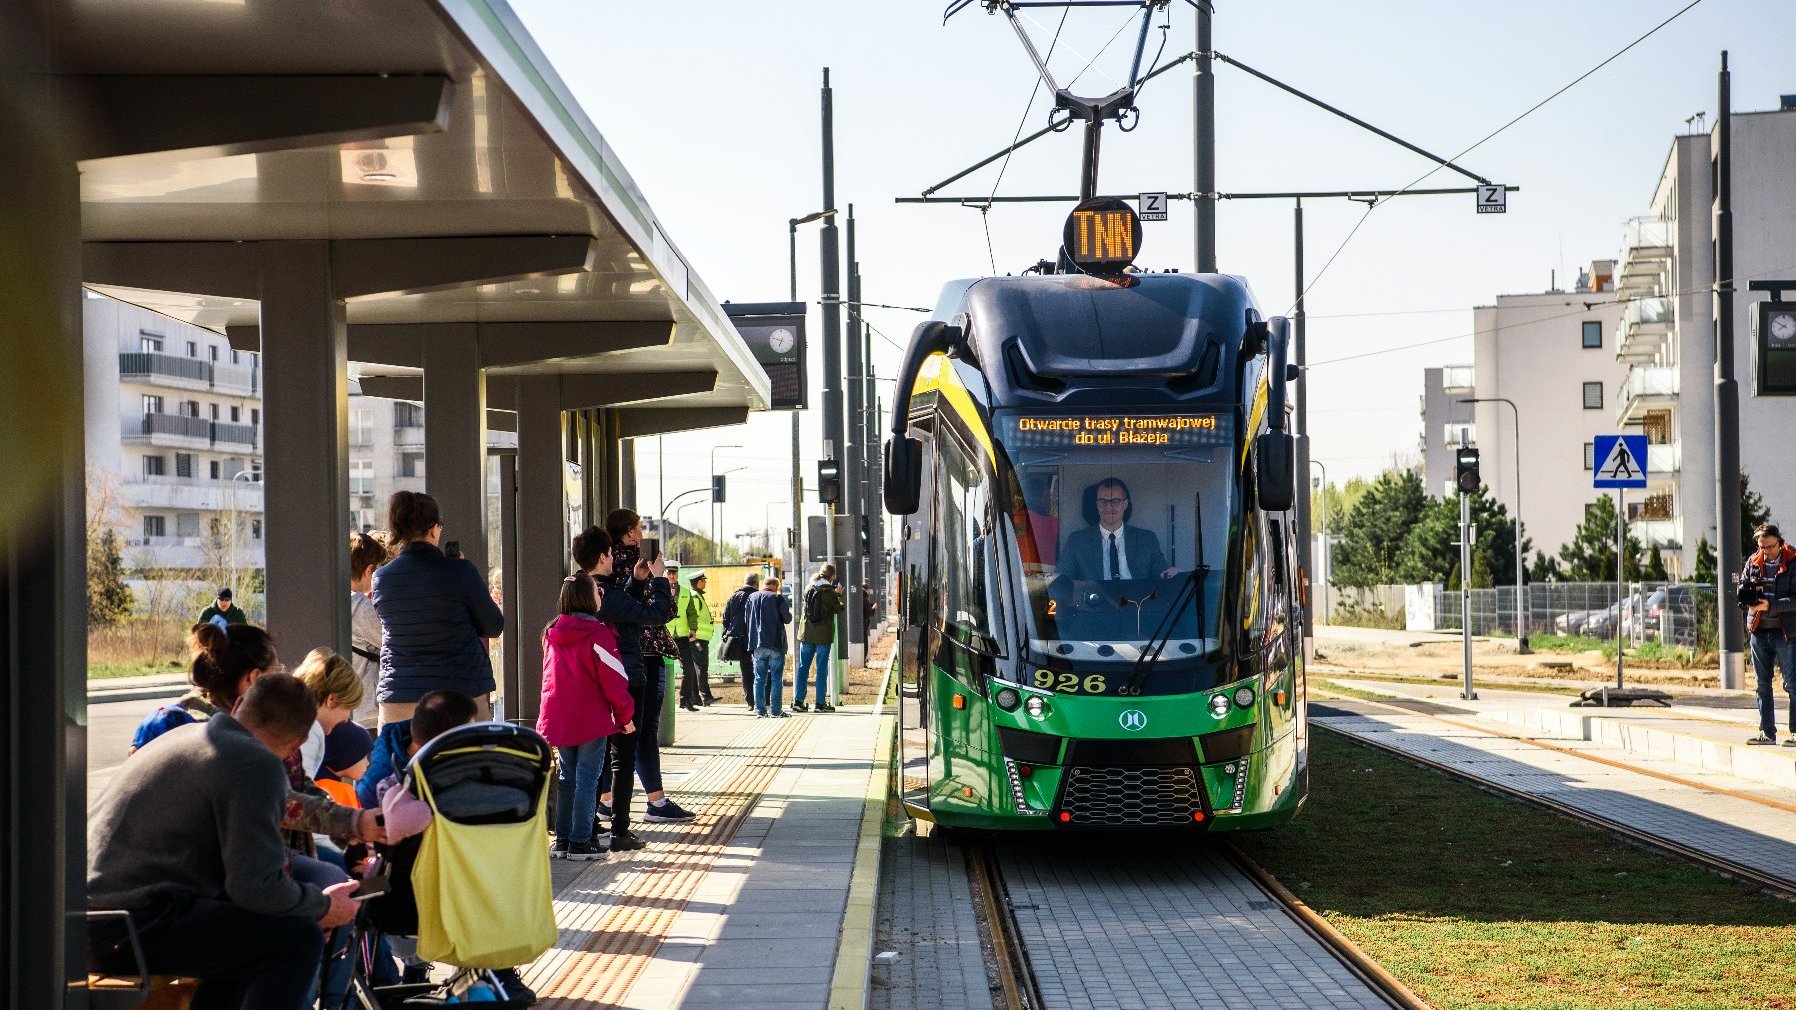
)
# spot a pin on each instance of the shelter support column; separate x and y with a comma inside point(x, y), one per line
point(43, 626)
point(305, 443)
point(455, 437)
point(543, 549)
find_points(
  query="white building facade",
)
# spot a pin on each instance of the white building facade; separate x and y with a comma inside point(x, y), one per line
point(1447, 423)
point(1667, 276)
point(1553, 355)
point(173, 439)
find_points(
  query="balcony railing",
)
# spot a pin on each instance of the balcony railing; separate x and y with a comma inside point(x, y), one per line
point(198, 429)
point(1658, 532)
point(408, 435)
point(187, 372)
point(1645, 327)
point(1665, 458)
point(1646, 236)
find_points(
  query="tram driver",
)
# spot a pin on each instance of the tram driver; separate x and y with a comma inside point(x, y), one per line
point(1112, 549)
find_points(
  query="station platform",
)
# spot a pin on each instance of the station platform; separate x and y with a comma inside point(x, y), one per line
point(1663, 772)
point(764, 902)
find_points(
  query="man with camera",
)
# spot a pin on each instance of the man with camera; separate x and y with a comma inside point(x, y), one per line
point(1768, 594)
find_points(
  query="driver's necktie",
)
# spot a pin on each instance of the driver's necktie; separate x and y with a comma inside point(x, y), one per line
point(1115, 562)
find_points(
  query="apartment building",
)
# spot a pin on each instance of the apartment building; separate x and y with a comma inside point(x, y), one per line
point(1668, 335)
point(173, 439)
point(1552, 354)
point(1447, 423)
point(386, 454)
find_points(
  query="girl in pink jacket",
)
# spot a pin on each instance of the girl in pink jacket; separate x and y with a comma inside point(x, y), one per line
point(586, 699)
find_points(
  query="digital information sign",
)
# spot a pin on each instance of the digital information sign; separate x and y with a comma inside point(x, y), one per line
point(1097, 430)
point(774, 332)
point(1102, 235)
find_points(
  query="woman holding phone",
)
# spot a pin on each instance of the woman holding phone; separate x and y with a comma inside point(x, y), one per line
point(434, 612)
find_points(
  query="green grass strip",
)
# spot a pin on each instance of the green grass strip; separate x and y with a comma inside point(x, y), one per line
point(1477, 901)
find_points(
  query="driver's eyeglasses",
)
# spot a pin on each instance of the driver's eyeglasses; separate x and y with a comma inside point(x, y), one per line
point(1113, 502)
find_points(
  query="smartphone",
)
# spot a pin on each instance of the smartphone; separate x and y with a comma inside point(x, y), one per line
point(651, 549)
point(370, 887)
point(452, 549)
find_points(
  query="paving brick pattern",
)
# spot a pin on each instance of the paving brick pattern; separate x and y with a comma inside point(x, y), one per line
point(1732, 827)
point(926, 919)
point(1144, 922)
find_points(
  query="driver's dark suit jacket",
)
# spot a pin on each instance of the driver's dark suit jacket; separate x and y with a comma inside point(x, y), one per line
point(1082, 557)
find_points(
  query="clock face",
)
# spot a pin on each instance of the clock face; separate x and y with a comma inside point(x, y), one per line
point(1783, 327)
point(782, 339)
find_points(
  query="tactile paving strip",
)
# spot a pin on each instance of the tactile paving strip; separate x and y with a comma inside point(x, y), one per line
point(615, 915)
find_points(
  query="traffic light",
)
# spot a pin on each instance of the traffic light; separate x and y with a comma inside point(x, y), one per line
point(1466, 474)
point(717, 488)
point(829, 482)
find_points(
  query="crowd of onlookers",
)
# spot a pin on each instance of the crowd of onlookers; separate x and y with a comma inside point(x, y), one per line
point(233, 834)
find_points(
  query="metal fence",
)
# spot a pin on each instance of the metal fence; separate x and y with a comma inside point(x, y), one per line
point(1354, 605)
point(1650, 611)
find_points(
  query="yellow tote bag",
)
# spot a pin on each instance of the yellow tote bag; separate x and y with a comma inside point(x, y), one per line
point(484, 895)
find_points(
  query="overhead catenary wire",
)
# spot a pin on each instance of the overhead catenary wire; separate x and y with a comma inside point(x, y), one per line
point(1034, 89)
point(1480, 142)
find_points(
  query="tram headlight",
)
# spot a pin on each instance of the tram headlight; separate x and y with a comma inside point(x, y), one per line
point(1244, 696)
point(1008, 698)
point(1219, 705)
point(1036, 707)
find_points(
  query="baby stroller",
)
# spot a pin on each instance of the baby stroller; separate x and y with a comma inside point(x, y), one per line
point(474, 888)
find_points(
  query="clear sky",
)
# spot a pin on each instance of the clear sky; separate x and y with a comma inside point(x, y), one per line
point(713, 107)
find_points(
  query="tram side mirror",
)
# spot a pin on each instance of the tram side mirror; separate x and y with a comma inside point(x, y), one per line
point(904, 474)
point(1274, 454)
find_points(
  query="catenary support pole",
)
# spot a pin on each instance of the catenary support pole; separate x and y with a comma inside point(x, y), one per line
point(853, 458)
point(1727, 393)
point(1300, 355)
point(455, 436)
point(833, 433)
point(1203, 113)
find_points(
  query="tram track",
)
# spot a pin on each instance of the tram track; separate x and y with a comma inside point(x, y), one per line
point(1019, 988)
point(1770, 883)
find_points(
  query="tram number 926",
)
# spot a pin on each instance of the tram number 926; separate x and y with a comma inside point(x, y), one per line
point(1070, 683)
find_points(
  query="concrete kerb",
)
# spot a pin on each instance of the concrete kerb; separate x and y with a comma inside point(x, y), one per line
point(1758, 764)
point(853, 976)
point(154, 686)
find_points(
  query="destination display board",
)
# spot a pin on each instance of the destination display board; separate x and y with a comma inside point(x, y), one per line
point(1102, 235)
point(1098, 430)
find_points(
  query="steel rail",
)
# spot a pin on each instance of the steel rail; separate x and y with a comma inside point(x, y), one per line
point(1707, 860)
point(1344, 950)
point(1015, 975)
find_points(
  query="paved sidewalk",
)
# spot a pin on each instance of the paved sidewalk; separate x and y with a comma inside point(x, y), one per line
point(748, 906)
point(1749, 822)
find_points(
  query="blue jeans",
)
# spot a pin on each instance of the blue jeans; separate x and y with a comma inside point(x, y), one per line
point(577, 789)
point(770, 667)
point(807, 652)
point(1768, 648)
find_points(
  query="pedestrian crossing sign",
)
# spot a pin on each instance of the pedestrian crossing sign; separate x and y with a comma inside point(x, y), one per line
point(1621, 461)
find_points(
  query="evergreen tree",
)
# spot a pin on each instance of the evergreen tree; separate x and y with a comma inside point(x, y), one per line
point(108, 598)
point(1480, 571)
point(1431, 549)
point(1655, 567)
point(1753, 513)
point(1590, 557)
point(1704, 570)
point(1372, 540)
point(1453, 578)
point(1543, 568)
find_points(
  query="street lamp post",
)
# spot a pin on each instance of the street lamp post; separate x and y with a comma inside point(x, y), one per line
point(1521, 603)
point(680, 523)
point(716, 503)
point(767, 521)
point(1327, 565)
point(253, 476)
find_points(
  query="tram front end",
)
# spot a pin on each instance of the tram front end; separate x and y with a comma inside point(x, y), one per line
point(1098, 579)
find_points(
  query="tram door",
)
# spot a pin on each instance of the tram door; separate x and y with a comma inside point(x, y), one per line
point(913, 645)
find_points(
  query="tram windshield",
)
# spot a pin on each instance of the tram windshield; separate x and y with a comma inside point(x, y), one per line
point(1120, 527)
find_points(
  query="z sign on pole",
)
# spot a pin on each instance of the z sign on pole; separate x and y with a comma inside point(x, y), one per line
point(1492, 200)
point(1152, 206)
point(1620, 461)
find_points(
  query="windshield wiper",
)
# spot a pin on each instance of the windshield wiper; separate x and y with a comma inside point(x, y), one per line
point(1193, 586)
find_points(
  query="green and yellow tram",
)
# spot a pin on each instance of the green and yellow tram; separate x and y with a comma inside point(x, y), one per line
point(1099, 585)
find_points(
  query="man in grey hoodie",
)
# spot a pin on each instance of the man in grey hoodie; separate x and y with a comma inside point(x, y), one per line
point(187, 838)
